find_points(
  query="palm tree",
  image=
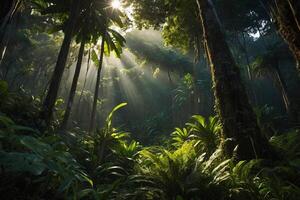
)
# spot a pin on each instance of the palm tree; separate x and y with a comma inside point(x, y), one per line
point(234, 110)
point(72, 8)
point(74, 85)
point(89, 19)
point(111, 41)
point(86, 29)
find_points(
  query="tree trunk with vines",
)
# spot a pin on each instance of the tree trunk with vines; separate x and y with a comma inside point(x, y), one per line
point(286, 14)
point(240, 128)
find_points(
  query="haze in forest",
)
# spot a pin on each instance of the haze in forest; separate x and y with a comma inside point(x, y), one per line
point(150, 99)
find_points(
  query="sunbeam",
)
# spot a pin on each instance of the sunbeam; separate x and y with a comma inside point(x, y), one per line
point(116, 4)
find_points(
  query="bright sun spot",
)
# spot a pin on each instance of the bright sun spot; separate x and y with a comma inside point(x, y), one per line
point(116, 4)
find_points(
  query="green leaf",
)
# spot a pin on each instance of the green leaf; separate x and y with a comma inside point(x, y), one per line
point(66, 184)
point(95, 58)
point(23, 128)
point(85, 193)
point(6, 121)
point(109, 118)
point(3, 88)
point(36, 145)
point(22, 162)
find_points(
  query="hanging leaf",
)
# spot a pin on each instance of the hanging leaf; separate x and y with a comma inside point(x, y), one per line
point(109, 118)
point(95, 58)
point(107, 45)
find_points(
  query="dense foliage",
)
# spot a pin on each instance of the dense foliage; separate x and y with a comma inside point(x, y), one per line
point(150, 99)
point(110, 165)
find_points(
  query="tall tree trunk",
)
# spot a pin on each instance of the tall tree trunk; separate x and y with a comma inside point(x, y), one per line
point(295, 9)
point(94, 109)
point(78, 106)
point(232, 104)
point(74, 86)
point(85, 79)
point(5, 41)
point(291, 107)
point(243, 48)
point(6, 19)
point(7, 13)
point(284, 14)
point(52, 93)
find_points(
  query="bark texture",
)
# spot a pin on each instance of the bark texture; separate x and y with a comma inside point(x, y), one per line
point(286, 14)
point(232, 104)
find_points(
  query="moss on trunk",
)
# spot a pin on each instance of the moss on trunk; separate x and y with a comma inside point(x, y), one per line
point(232, 104)
point(286, 14)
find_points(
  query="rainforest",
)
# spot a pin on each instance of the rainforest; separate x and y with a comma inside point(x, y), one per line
point(150, 99)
